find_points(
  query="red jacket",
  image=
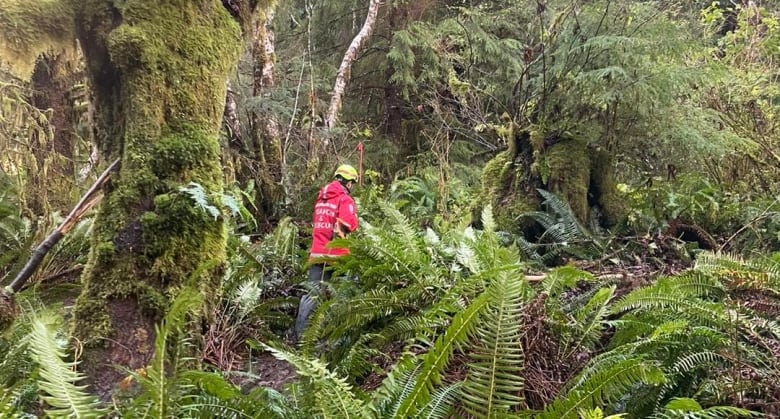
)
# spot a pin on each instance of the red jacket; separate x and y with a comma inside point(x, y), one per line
point(333, 208)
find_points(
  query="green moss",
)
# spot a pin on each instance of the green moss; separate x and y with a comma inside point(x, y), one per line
point(184, 151)
point(127, 46)
point(504, 186)
point(30, 28)
point(604, 187)
point(171, 62)
point(495, 171)
point(569, 174)
point(152, 301)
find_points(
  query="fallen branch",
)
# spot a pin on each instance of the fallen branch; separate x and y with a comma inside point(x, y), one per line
point(8, 308)
point(605, 277)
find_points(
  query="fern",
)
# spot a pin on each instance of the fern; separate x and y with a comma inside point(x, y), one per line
point(57, 377)
point(200, 197)
point(493, 381)
point(670, 295)
point(562, 231)
point(160, 381)
point(562, 278)
point(8, 404)
point(762, 274)
point(696, 360)
point(332, 394)
point(605, 386)
point(589, 322)
point(212, 396)
point(434, 362)
point(690, 409)
point(442, 400)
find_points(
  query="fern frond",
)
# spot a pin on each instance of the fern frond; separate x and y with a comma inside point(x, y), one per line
point(665, 294)
point(200, 197)
point(434, 362)
point(590, 320)
point(695, 360)
point(562, 278)
point(682, 407)
point(333, 395)
point(566, 226)
point(603, 387)
point(9, 404)
point(58, 378)
point(160, 382)
point(441, 402)
point(213, 397)
point(756, 274)
point(358, 359)
point(395, 388)
point(493, 382)
point(401, 225)
point(488, 221)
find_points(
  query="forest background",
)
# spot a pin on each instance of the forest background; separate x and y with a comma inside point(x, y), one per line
point(568, 208)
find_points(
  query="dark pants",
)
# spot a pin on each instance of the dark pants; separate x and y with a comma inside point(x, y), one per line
point(317, 274)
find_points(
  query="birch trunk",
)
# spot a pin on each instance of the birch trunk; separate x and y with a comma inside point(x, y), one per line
point(342, 77)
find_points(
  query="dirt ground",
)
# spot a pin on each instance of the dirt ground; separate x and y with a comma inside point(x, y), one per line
point(272, 372)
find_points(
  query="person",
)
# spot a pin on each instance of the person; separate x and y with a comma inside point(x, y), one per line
point(335, 216)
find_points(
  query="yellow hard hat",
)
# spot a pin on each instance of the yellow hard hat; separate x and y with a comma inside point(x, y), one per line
point(347, 172)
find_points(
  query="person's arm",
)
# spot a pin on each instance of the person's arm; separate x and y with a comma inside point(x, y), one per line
point(346, 219)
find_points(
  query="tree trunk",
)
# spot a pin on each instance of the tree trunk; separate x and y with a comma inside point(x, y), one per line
point(158, 71)
point(51, 184)
point(266, 132)
point(393, 114)
point(342, 77)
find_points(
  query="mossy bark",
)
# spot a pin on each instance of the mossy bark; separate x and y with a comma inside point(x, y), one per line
point(50, 185)
point(613, 208)
point(158, 71)
point(568, 166)
point(509, 185)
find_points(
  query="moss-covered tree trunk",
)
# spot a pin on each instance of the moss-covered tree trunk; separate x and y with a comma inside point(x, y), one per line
point(158, 71)
point(51, 183)
point(581, 175)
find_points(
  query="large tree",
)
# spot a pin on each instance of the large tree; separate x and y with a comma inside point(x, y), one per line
point(158, 73)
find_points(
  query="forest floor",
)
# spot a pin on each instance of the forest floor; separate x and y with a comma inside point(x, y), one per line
point(272, 372)
point(653, 257)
